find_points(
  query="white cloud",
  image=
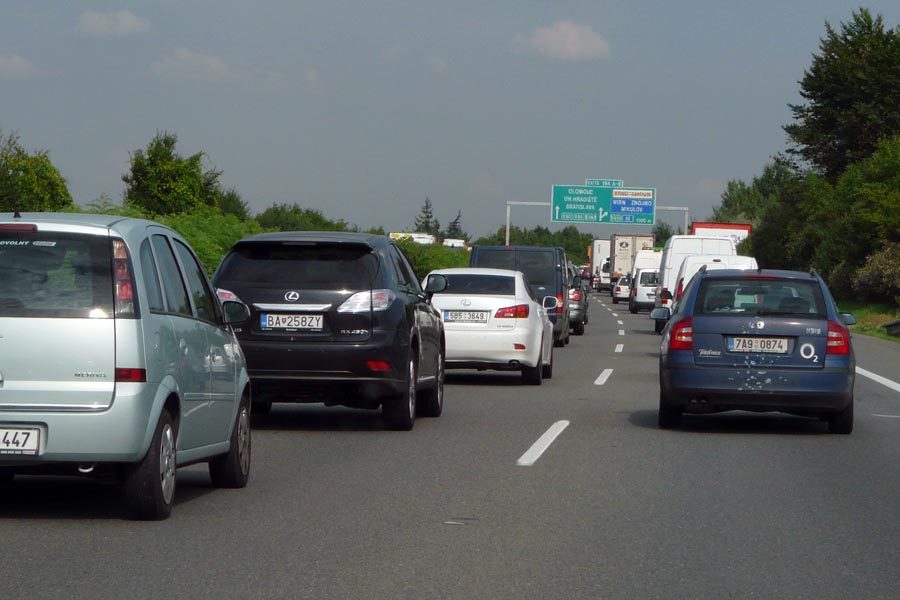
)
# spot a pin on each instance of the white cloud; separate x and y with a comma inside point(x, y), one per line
point(186, 64)
point(436, 64)
point(111, 24)
point(13, 65)
point(565, 41)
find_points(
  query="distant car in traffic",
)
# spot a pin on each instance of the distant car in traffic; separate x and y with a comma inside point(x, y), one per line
point(621, 289)
point(337, 318)
point(757, 340)
point(642, 293)
point(492, 320)
point(117, 358)
point(578, 301)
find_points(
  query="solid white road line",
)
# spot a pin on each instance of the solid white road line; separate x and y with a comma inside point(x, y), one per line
point(619, 347)
point(882, 380)
point(621, 332)
point(887, 416)
point(603, 377)
point(542, 443)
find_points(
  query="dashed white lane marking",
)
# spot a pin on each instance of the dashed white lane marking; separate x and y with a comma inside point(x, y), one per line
point(615, 314)
point(621, 332)
point(887, 416)
point(882, 380)
point(619, 347)
point(620, 322)
point(541, 445)
point(603, 377)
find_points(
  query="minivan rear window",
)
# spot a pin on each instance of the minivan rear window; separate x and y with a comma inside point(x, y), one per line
point(279, 265)
point(649, 278)
point(56, 275)
point(760, 296)
point(539, 267)
point(497, 285)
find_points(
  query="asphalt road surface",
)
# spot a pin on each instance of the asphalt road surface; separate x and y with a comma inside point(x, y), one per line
point(485, 502)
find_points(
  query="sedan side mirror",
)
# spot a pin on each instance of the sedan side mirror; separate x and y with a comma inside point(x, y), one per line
point(235, 312)
point(660, 314)
point(436, 283)
point(550, 302)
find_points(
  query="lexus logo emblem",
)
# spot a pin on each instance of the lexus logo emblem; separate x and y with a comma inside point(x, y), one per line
point(292, 296)
point(466, 302)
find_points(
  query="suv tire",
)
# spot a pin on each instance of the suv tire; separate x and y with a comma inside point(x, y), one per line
point(669, 416)
point(431, 401)
point(632, 308)
point(232, 469)
point(150, 484)
point(578, 329)
point(400, 409)
point(842, 422)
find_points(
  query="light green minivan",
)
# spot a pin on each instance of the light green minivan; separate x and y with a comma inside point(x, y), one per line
point(116, 358)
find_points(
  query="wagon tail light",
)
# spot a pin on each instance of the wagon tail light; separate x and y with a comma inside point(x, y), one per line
point(123, 280)
point(519, 311)
point(366, 301)
point(575, 294)
point(838, 339)
point(559, 304)
point(682, 335)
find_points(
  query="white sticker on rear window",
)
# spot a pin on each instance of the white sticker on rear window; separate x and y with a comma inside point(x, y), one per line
point(47, 244)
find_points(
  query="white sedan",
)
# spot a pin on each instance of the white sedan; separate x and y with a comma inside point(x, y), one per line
point(492, 320)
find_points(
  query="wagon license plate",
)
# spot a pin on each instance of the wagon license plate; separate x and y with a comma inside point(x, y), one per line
point(465, 316)
point(758, 344)
point(292, 322)
point(19, 441)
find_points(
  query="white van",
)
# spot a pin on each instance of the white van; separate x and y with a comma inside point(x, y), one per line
point(691, 264)
point(646, 259)
point(679, 247)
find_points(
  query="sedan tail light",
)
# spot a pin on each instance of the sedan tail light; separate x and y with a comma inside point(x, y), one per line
point(682, 335)
point(838, 339)
point(519, 311)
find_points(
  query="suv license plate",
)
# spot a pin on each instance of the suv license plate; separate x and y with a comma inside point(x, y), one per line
point(758, 344)
point(294, 322)
point(19, 441)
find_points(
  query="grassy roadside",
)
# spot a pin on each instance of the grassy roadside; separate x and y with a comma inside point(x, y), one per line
point(870, 317)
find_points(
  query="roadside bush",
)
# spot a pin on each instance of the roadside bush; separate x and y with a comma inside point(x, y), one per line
point(210, 233)
point(425, 258)
point(879, 278)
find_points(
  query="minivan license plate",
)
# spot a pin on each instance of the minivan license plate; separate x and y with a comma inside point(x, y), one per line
point(758, 344)
point(294, 322)
point(19, 441)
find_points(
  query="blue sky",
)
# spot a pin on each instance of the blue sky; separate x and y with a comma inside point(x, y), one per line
point(362, 109)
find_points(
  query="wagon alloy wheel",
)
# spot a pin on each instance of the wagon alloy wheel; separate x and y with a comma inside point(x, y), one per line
point(150, 484)
point(232, 469)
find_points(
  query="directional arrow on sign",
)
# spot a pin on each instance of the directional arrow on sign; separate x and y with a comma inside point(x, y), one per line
point(557, 211)
point(603, 214)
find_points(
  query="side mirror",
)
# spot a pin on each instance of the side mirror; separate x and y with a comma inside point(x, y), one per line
point(660, 314)
point(550, 302)
point(848, 319)
point(666, 295)
point(436, 283)
point(235, 312)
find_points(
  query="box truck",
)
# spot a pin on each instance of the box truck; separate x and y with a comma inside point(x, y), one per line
point(623, 247)
point(736, 231)
point(600, 264)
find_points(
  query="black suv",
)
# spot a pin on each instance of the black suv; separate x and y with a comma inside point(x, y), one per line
point(337, 318)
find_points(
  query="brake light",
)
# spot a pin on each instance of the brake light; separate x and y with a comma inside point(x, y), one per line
point(226, 295)
point(559, 304)
point(682, 335)
point(680, 289)
point(123, 281)
point(378, 366)
point(131, 375)
point(838, 339)
point(19, 227)
point(366, 301)
point(519, 311)
point(663, 301)
point(575, 294)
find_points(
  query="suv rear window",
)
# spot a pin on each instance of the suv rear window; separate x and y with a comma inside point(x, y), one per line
point(760, 296)
point(481, 284)
point(63, 275)
point(276, 265)
point(539, 267)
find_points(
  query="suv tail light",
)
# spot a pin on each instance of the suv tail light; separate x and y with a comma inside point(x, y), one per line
point(123, 281)
point(226, 295)
point(575, 294)
point(559, 304)
point(366, 301)
point(519, 311)
point(682, 335)
point(838, 339)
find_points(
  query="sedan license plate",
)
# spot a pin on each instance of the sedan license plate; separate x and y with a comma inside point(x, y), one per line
point(465, 316)
point(758, 344)
point(19, 441)
point(292, 322)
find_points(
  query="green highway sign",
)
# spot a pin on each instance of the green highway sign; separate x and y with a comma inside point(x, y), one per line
point(612, 183)
point(594, 204)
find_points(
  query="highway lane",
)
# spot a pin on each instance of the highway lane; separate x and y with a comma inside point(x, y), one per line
point(734, 505)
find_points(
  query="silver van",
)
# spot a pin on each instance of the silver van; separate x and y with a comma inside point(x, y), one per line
point(116, 357)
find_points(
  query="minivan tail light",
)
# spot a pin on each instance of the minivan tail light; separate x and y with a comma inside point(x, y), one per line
point(123, 280)
point(682, 335)
point(838, 339)
point(559, 304)
point(519, 311)
point(366, 301)
point(663, 301)
point(131, 375)
point(680, 289)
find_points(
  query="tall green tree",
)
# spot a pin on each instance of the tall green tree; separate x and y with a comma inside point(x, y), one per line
point(231, 203)
point(29, 181)
point(283, 217)
point(662, 231)
point(851, 93)
point(454, 228)
point(163, 182)
point(425, 221)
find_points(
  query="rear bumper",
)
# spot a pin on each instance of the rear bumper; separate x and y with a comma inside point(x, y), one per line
point(492, 349)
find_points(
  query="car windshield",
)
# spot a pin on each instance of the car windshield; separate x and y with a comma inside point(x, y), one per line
point(278, 264)
point(760, 296)
point(497, 285)
point(55, 275)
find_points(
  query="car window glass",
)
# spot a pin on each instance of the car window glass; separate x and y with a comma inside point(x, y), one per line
point(760, 296)
point(201, 294)
point(530, 291)
point(498, 285)
point(320, 266)
point(410, 272)
point(648, 278)
point(151, 279)
point(176, 294)
point(403, 277)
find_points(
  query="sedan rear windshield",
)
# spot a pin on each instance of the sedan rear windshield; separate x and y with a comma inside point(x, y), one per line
point(496, 285)
point(51, 275)
point(277, 265)
point(760, 296)
point(539, 267)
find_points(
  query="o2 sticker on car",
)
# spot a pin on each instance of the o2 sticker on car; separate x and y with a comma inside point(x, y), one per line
point(808, 351)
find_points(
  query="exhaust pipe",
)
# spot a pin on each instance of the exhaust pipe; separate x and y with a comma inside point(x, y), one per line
point(86, 469)
point(514, 364)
